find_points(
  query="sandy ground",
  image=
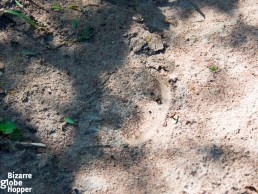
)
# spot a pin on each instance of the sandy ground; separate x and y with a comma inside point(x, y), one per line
point(152, 117)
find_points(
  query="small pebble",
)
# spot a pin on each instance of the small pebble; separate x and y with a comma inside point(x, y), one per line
point(1, 65)
point(137, 19)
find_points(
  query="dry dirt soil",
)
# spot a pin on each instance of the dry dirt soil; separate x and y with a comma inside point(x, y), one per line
point(164, 94)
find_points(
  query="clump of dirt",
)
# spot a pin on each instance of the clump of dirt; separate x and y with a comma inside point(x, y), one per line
point(163, 94)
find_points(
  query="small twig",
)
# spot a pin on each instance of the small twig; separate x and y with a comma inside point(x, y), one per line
point(41, 145)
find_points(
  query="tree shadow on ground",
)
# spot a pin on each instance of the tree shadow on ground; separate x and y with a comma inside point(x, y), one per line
point(85, 67)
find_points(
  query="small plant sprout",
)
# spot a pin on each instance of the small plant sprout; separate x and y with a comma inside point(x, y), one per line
point(18, 4)
point(9, 129)
point(56, 8)
point(24, 17)
point(75, 7)
point(85, 35)
point(213, 69)
point(74, 23)
point(69, 120)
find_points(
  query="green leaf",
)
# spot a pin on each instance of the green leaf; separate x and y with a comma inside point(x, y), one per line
point(72, 7)
point(28, 53)
point(22, 16)
point(75, 7)
point(19, 4)
point(56, 8)
point(69, 120)
point(213, 69)
point(74, 23)
point(7, 127)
